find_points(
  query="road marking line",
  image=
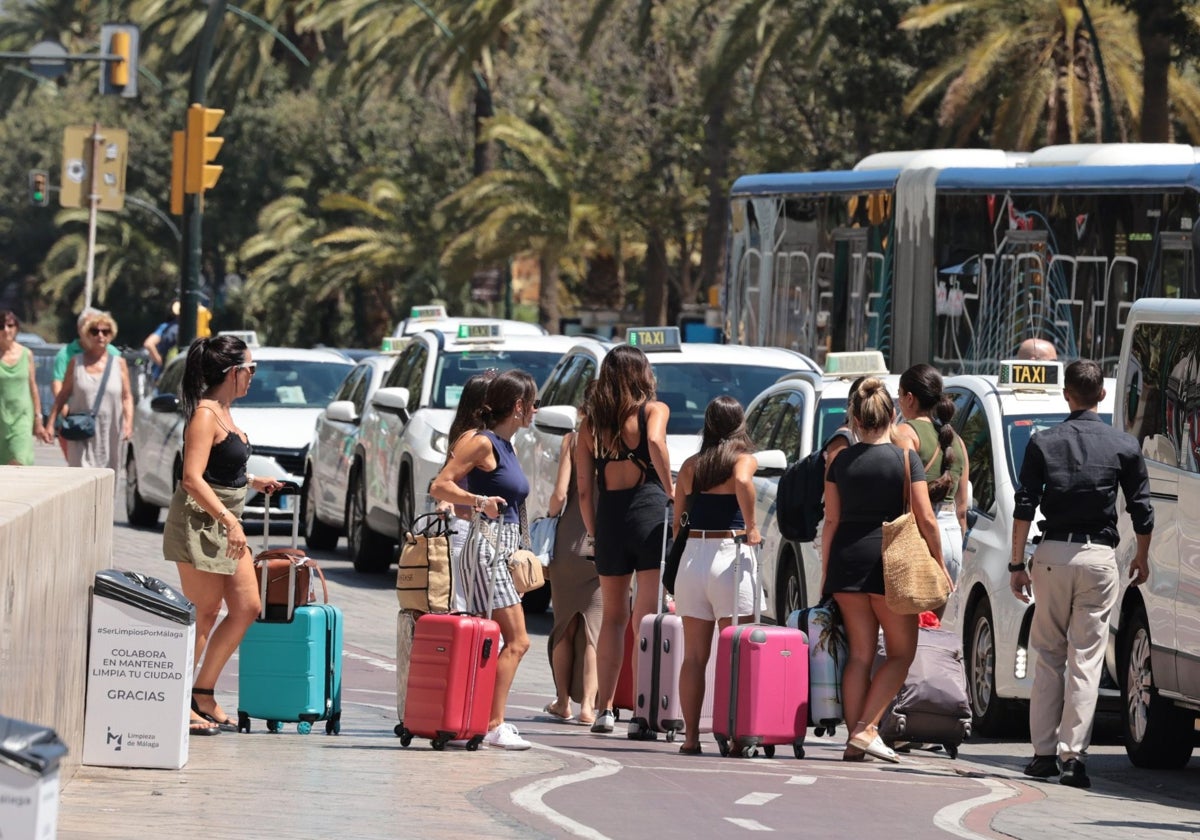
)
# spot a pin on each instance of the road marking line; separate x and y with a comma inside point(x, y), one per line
point(802, 780)
point(757, 798)
point(749, 825)
point(382, 664)
point(530, 796)
point(950, 818)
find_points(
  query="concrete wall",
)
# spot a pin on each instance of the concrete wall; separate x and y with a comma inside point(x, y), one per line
point(56, 532)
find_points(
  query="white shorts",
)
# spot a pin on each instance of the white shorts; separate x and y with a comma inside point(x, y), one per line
point(704, 586)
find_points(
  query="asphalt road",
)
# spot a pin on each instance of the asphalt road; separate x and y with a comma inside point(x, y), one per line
point(608, 786)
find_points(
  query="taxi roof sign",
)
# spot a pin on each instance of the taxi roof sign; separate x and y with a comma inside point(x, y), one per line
point(1031, 376)
point(392, 343)
point(856, 363)
point(428, 312)
point(654, 339)
point(478, 332)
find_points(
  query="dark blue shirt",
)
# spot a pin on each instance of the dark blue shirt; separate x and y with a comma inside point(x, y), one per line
point(716, 512)
point(1073, 471)
point(506, 481)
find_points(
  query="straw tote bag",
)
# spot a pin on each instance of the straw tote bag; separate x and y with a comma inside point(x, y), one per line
point(913, 581)
point(423, 575)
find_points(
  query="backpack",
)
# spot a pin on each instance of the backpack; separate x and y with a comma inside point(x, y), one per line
point(800, 497)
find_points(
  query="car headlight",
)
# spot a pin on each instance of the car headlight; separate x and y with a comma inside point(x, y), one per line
point(440, 442)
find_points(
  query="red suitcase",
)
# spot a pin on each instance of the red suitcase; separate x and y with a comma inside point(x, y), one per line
point(452, 676)
point(761, 693)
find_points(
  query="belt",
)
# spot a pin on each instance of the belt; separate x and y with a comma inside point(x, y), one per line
point(713, 535)
point(1080, 537)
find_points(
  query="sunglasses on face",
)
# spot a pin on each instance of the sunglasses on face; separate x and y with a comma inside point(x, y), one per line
point(246, 366)
point(94, 331)
point(10, 325)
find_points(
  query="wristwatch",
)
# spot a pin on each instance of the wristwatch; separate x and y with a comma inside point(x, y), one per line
point(1016, 567)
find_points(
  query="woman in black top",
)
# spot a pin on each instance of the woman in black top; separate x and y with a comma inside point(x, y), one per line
point(203, 534)
point(864, 487)
point(624, 477)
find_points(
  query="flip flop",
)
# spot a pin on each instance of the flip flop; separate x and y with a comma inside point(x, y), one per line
point(556, 716)
point(202, 727)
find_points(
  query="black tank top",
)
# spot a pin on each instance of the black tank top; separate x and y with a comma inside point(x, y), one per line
point(227, 459)
point(639, 454)
point(716, 512)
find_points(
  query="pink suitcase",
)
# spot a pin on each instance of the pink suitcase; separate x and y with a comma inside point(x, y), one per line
point(657, 707)
point(451, 677)
point(761, 693)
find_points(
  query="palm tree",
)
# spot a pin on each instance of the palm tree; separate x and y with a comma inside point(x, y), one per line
point(1160, 24)
point(1030, 67)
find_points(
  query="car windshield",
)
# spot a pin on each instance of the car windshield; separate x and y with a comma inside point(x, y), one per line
point(688, 387)
point(1018, 431)
point(290, 383)
point(454, 368)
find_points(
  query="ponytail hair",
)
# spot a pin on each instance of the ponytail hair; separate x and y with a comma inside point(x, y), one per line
point(208, 361)
point(502, 395)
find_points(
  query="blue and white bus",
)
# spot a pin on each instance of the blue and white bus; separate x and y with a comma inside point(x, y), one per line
point(956, 256)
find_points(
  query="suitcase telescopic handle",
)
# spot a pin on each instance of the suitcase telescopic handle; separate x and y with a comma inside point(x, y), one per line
point(661, 604)
point(739, 542)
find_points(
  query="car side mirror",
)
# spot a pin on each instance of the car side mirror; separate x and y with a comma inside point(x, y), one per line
point(771, 463)
point(165, 404)
point(556, 419)
point(342, 411)
point(393, 400)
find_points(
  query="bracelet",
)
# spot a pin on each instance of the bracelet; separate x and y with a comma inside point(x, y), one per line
point(480, 503)
point(1016, 567)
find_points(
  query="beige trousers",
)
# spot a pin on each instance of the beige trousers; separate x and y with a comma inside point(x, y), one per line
point(1076, 589)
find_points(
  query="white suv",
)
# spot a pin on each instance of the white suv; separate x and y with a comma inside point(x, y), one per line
point(996, 417)
point(1156, 626)
point(403, 438)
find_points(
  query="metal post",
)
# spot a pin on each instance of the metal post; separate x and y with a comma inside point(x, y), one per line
point(193, 207)
point(93, 206)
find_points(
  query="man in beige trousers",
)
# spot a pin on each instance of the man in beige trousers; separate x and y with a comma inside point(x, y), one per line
point(1073, 471)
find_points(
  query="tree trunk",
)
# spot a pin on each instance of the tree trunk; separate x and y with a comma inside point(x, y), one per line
point(1155, 37)
point(654, 302)
point(484, 157)
point(712, 245)
point(548, 313)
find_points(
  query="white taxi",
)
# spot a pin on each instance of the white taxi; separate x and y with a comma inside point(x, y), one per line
point(687, 376)
point(434, 317)
point(327, 464)
point(796, 414)
point(996, 416)
point(405, 427)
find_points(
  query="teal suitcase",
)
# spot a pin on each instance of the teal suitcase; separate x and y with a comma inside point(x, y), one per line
point(292, 671)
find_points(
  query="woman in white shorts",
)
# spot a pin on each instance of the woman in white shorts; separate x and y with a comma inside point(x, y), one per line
point(716, 488)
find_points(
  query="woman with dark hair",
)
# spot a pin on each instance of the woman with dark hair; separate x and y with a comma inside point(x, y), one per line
point(864, 487)
point(488, 463)
point(624, 477)
point(203, 533)
point(20, 403)
point(722, 476)
point(928, 411)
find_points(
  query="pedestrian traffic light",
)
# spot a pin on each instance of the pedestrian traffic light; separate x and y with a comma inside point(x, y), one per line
point(178, 154)
point(39, 188)
point(119, 73)
point(199, 174)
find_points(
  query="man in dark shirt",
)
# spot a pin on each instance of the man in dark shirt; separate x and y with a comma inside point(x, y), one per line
point(1073, 471)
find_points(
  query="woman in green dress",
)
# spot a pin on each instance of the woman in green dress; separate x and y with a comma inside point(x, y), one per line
point(20, 405)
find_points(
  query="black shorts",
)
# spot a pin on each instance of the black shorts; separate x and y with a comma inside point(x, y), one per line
point(629, 529)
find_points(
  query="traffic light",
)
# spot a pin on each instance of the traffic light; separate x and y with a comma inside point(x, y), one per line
point(119, 74)
point(199, 174)
point(178, 154)
point(39, 188)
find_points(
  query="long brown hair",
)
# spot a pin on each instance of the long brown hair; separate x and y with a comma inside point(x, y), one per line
point(722, 442)
point(466, 416)
point(625, 382)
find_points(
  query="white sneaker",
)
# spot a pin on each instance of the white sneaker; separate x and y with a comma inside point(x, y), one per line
point(506, 737)
point(604, 722)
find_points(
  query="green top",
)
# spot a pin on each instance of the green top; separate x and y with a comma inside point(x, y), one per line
point(16, 411)
point(63, 356)
point(927, 434)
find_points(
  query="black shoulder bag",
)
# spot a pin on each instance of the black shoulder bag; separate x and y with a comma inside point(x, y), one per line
point(82, 426)
point(675, 551)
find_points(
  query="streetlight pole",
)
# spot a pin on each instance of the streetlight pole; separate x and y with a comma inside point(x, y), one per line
point(193, 208)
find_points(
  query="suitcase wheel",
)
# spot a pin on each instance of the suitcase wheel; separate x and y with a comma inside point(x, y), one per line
point(722, 745)
point(951, 751)
point(474, 743)
point(798, 750)
point(406, 738)
point(333, 726)
point(304, 727)
point(400, 730)
point(670, 736)
point(243, 722)
point(438, 743)
point(769, 750)
point(274, 726)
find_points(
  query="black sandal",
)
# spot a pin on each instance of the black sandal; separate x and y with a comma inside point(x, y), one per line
point(686, 750)
point(202, 727)
point(226, 725)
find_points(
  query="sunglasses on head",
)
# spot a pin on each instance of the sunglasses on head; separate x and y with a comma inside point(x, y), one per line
point(247, 366)
point(100, 331)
